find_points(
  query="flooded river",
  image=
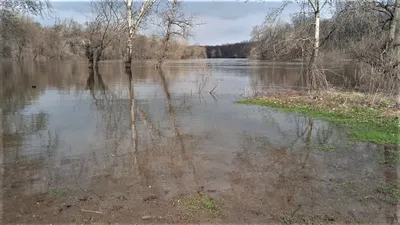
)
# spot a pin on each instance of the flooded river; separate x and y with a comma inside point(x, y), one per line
point(110, 146)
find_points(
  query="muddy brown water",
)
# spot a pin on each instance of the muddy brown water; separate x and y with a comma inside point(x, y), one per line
point(117, 147)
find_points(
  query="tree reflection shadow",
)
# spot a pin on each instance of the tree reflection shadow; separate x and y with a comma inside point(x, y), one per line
point(391, 163)
point(132, 111)
point(91, 84)
point(165, 163)
point(300, 182)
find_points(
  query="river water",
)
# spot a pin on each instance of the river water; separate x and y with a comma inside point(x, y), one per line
point(112, 146)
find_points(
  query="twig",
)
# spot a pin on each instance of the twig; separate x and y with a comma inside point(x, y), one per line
point(214, 97)
point(85, 210)
point(213, 89)
point(297, 209)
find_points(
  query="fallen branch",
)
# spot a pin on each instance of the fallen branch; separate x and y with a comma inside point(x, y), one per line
point(85, 210)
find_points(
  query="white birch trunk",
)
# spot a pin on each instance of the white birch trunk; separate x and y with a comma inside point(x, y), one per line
point(134, 26)
point(317, 32)
point(313, 83)
point(129, 18)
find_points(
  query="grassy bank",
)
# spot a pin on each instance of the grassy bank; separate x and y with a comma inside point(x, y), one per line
point(372, 120)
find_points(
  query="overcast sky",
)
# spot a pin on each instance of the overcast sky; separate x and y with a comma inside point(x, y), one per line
point(222, 21)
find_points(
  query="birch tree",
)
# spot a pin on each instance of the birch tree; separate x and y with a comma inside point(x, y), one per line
point(315, 79)
point(134, 20)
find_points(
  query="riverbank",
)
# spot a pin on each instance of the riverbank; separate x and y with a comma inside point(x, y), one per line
point(368, 118)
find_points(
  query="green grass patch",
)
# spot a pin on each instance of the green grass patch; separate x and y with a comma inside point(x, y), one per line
point(287, 219)
point(327, 148)
point(57, 192)
point(199, 202)
point(119, 196)
point(364, 124)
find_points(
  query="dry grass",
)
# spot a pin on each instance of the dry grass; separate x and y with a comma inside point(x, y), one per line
point(342, 101)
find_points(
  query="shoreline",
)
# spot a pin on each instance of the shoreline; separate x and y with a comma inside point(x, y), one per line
point(368, 118)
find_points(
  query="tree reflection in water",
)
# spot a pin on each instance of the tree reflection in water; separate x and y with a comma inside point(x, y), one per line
point(132, 111)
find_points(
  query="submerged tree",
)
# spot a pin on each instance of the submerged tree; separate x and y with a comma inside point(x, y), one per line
point(104, 27)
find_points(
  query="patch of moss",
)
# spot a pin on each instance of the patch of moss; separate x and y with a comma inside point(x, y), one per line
point(364, 124)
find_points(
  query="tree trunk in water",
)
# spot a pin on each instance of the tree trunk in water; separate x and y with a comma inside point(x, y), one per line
point(91, 61)
point(98, 57)
point(129, 17)
point(90, 83)
point(89, 55)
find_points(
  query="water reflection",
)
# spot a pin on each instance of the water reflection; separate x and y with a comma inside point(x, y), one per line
point(91, 81)
point(391, 161)
point(132, 111)
point(145, 137)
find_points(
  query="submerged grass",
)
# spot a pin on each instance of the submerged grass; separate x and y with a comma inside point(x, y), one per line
point(391, 192)
point(367, 124)
point(58, 192)
point(199, 205)
point(199, 202)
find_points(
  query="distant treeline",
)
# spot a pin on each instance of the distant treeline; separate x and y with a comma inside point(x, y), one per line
point(236, 50)
point(22, 38)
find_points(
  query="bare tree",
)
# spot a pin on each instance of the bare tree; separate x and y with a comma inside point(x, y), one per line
point(34, 7)
point(316, 79)
point(12, 26)
point(370, 39)
point(383, 7)
point(134, 24)
point(174, 24)
point(104, 27)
